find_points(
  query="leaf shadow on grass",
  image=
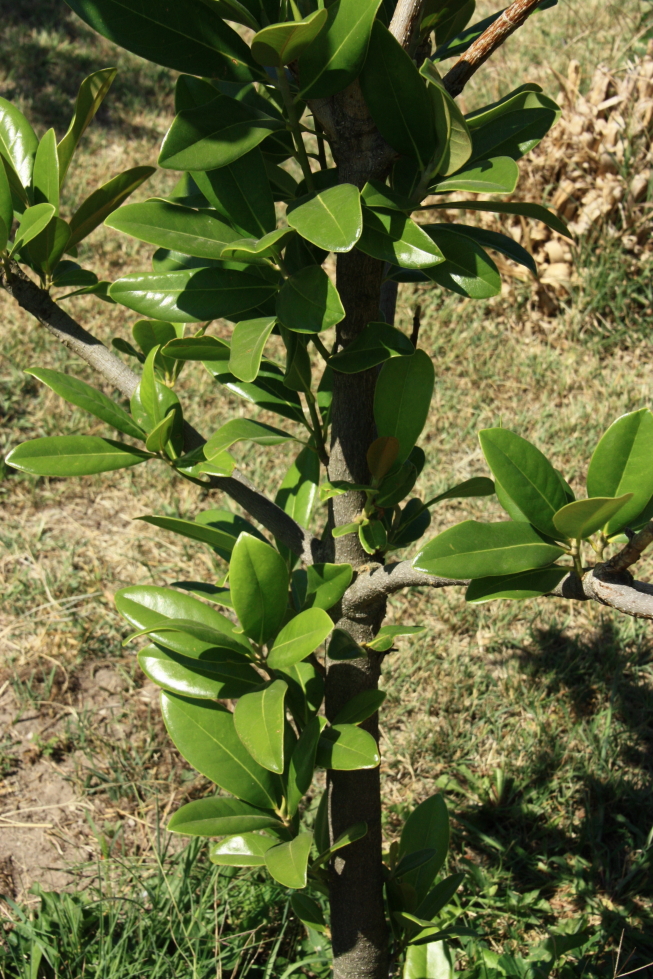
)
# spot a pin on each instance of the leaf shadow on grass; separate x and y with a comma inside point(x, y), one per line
point(46, 51)
point(574, 827)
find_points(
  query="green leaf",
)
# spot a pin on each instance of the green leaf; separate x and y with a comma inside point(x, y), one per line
point(45, 177)
point(69, 273)
point(173, 226)
point(260, 718)
point(373, 536)
point(360, 707)
point(514, 127)
point(381, 456)
point(321, 585)
point(299, 638)
point(305, 690)
point(582, 518)
point(160, 435)
point(298, 374)
point(268, 392)
point(214, 135)
point(302, 764)
point(4, 235)
point(218, 816)
point(467, 269)
point(427, 828)
point(79, 393)
point(18, 142)
point(397, 98)
point(297, 493)
point(280, 44)
point(32, 222)
point(414, 522)
point(345, 747)
point(205, 734)
point(288, 862)
point(536, 211)
point(439, 896)
point(156, 333)
point(244, 429)
point(309, 912)
point(192, 296)
point(343, 646)
point(197, 348)
point(99, 205)
point(402, 399)
point(216, 673)
point(378, 195)
point(259, 587)
point(387, 634)
point(430, 961)
point(308, 302)
point(621, 463)
point(247, 344)
point(393, 237)
point(476, 550)
point(6, 205)
point(246, 850)
point(338, 53)
point(195, 630)
point(476, 486)
point(498, 175)
point(241, 193)
point(376, 343)
point(192, 38)
point(90, 96)
point(332, 219)
point(350, 835)
point(524, 584)
point(498, 242)
point(526, 475)
point(152, 400)
point(47, 248)
point(454, 137)
point(73, 455)
point(251, 251)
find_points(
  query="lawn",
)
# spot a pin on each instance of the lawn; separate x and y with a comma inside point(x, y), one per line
point(534, 719)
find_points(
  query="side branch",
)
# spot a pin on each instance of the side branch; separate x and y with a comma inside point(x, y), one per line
point(406, 21)
point(484, 46)
point(40, 304)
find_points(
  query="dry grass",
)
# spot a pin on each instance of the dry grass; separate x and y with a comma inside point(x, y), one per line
point(535, 719)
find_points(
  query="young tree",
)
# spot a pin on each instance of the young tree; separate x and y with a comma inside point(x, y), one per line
point(351, 90)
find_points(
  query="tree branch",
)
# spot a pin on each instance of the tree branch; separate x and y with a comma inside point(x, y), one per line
point(485, 45)
point(405, 23)
point(632, 551)
point(40, 304)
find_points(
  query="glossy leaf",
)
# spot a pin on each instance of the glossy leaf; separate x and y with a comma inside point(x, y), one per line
point(582, 518)
point(192, 296)
point(18, 142)
point(288, 862)
point(6, 205)
point(218, 816)
point(309, 912)
point(360, 707)
point(305, 690)
point(332, 219)
point(454, 137)
point(214, 135)
point(345, 747)
point(175, 227)
point(241, 193)
point(205, 734)
point(79, 393)
point(467, 270)
point(621, 463)
point(260, 251)
point(32, 222)
point(432, 960)
point(427, 828)
point(268, 392)
point(45, 177)
point(259, 718)
point(414, 522)
point(382, 455)
point(376, 343)
point(476, 486)
point(259, 587)
point(146, 606)
point(299, 638)
point(297, 494)
point(280, 44)
point(343, 646)
point(524, 584)
point(48, 247)
point(393, 237)
point(99, 205)
point(373, 536)
point(439, 896)
point(338, 53)
point(476, 550)
point(498, 243)
point(308, 302)
point(244, 429)
point(350, 835)
point(247, 344)
point(302, 764)
point(69, 273)
point(513, 128)
point(217, 673)
point(90, 96)
point(536, 211)
point(397, 97)
point(402, 399)
point(321, 585)
point(526, 475)
point(73, 455)
point(387, 634)
point(198, 348)
point(496, 176)
point(221, 540)
point(192, 38)
point(246, 850)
